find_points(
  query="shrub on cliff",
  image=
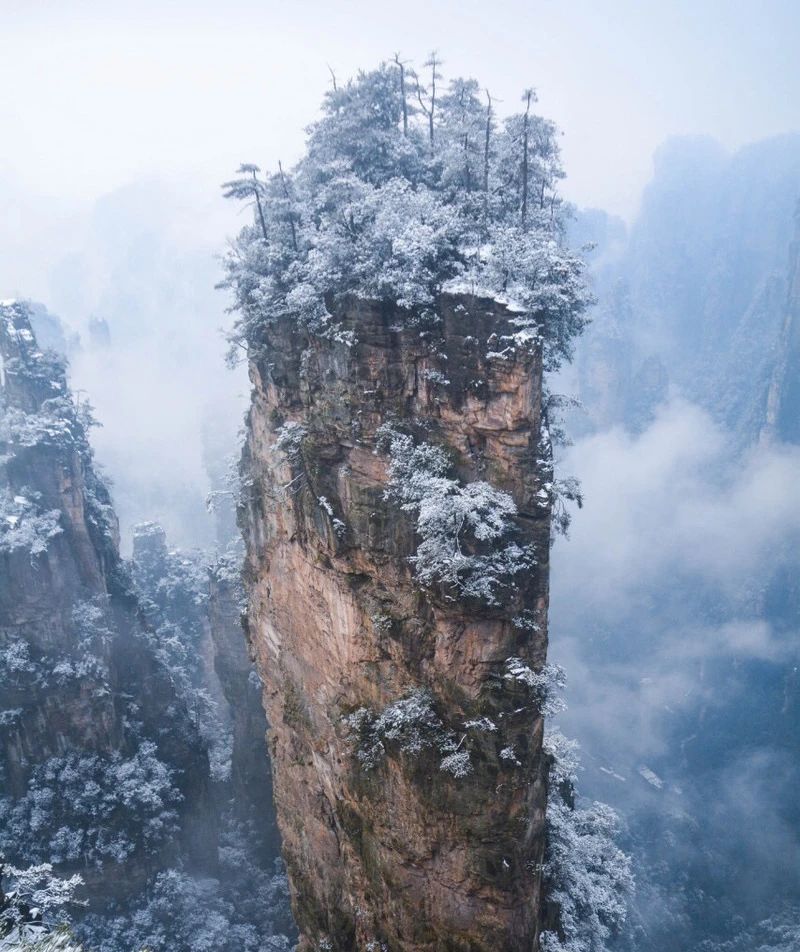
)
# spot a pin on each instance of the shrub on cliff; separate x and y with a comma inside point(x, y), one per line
point(410, 726)
point(586, 873)
point(466, 531)
point(23, 525)
point(406, 191)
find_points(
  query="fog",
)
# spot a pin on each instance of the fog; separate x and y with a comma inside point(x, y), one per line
point(674, 504)
point(143, 259)
point(119, 91)
point(666, 613)
point(121, 121)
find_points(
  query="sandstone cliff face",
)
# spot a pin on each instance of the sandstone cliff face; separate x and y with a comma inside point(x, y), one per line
point(78, 675)
point(403, 855)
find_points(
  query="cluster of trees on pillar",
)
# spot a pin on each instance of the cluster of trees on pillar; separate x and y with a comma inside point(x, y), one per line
point(410, 187)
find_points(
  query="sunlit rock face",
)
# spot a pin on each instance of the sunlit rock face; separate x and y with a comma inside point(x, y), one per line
point(398, 834)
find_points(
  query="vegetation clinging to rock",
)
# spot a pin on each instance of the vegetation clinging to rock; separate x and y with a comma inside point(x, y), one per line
point(467, 531)
point(406, 191)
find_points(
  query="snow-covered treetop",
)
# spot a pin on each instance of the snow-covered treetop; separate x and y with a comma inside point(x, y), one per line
point(36, 405)
point(410, 187)
point(30, 898)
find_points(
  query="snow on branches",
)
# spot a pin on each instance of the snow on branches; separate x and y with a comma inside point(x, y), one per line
point(31, 899)
point(93, 808)
point(586, 874)
point(395, 200)
point(23, 525)
point(410, 725)
point(466, 531)
point(544, 685)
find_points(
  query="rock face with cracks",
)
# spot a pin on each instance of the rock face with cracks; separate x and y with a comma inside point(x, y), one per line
point(434, 839)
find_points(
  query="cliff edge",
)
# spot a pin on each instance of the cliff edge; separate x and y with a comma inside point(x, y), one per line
point(396, 510)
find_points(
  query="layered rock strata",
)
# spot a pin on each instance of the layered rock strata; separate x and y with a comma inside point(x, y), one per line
point(433, 838)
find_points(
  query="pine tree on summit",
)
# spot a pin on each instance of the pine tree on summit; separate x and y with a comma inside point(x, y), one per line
point(408, 190)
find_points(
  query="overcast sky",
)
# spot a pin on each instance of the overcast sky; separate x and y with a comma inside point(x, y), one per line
point(94, 94)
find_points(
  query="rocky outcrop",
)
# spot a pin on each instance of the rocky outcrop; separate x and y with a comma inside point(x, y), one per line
point(432, 839)
point(80, 673)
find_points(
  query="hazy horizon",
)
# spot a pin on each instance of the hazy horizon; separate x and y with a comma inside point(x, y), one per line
point(121, 124)
point(95, 96)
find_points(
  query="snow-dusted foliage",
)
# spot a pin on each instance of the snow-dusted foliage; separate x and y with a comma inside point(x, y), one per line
point(409, 726)
point(40, 939)
point(586, 874)
point(49, 416)
point(458, 764)
point(93, 808)
point(173, 590)
point(23, 525)
point(58, 422)
point(545, 685)
point(406, 191)
point(778, 933)
point(27, 669)
point(32, 898)
point(38, 411)
point(466, 531)
point(244, 909)
point(556, 492)
point(289, 439)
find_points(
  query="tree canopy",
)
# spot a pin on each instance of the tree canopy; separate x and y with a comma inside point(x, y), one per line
point(410, 187)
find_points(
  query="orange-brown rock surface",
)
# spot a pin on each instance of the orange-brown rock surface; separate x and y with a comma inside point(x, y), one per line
point(402, 856)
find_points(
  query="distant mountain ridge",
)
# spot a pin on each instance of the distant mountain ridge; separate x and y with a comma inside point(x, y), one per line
point(703, 286)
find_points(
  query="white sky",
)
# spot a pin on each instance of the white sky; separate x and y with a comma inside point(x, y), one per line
point(94, 94)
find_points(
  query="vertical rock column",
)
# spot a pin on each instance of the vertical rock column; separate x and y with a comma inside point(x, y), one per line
point(400, 848)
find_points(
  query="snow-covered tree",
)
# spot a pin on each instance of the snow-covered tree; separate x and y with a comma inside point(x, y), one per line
point(407, 186)
point(586, 874)
point(244, 910)
point(24, 525)
point(173, 589)
point(409, 726)
point(545, 685)
point(33, 898)
point(466, 531)
point(93, 809)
